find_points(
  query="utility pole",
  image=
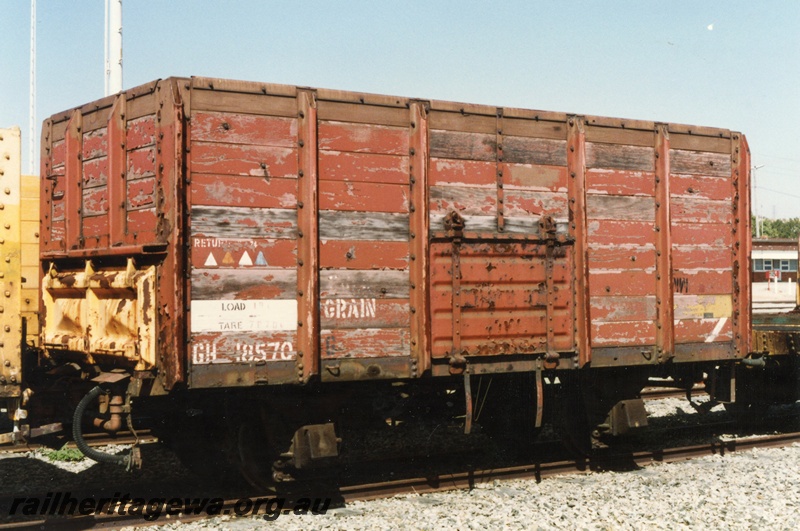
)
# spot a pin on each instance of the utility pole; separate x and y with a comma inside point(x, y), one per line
point(113, 46)
point(32, 96)
point(755, 202)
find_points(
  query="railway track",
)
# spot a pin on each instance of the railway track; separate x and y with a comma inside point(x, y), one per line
point(93, 439)
point(656, 393)
point(438, 482)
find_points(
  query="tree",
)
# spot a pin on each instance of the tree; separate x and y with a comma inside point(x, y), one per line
point(777, 228)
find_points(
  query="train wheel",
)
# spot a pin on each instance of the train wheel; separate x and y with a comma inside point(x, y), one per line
point(259, 443)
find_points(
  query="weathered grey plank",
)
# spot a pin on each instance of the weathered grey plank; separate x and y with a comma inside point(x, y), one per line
point(700, 163)
point(466, 200)
point(457, 145)
point(371, 284)
point(618, 156)
point(525, 150)
point(625, 208)
point(228, 284)
point(243, 222)
point(377, 226)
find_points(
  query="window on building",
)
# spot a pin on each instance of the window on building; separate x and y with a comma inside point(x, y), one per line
point(785, 265)
point(767, 265)
point(759, 264)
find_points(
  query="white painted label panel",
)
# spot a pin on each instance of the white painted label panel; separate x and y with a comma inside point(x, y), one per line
point(244, 315)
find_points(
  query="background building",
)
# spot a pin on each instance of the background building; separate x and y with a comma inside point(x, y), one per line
point(776, 256)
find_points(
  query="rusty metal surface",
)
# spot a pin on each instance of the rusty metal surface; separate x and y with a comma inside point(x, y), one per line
point(665, 303)
point(576, 166)
point(742, 248)
point(107, 312)
point(308, 258)
point(419, 232)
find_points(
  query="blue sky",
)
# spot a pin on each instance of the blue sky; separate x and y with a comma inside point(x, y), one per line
point(733, 64)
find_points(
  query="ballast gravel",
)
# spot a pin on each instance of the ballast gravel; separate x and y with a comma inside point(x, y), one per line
point(758, 489)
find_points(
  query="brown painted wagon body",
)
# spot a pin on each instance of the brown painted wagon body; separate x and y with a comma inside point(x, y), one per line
point(221, 233)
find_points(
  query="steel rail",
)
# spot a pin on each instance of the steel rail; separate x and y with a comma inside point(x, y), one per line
point(442, 482)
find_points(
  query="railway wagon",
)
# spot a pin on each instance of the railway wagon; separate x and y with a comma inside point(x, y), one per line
point(208, 242)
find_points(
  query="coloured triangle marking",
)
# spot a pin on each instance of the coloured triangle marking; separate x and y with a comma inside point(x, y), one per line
point(246, 260)
point(260, 260)
point(228, 259)
point(210, 261)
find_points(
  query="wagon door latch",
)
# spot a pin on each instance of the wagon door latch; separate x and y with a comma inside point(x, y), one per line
point(454, 225)
point(547, 232)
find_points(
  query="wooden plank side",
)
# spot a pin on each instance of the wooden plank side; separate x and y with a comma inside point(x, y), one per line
point(243, 347)
point(628, 282)
point(699, 210)
point(623, 333)
point(702, 234)
point(141, 163)
point(365, 343)
point(620, 232)
point(702, 281)
point(141, 132)
point(95, 144)
point(703, 306)
point(358, 284)
point(620, 157)
point(466, 200)
point(336, 111)
point(461, 172)
point(244, 191)
point(544, 152)
point(239, 103)
point(95, 201)
point(464, 122)
point(534, 177)
point(243, 222)
point(617, 135)
point(355, 313)
point(244, 159)
point(236, 128)
point(615, 309)
point(363, 167)
point(703, 330)
point(701, 257)
point(701, 187)
point(245, 253)
point(621, 258)
point(257, 284)
point(141, 194)
point(142, 224)
point(620, 182)
point(620, 208)
point(535, 203)
point(466, 146)
point(714, 144)
point(362, 138)
point(95, 172)
point(350, 254)
point(700, 163)
point(95, 231)
point(363, 226)
point(530, 126)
